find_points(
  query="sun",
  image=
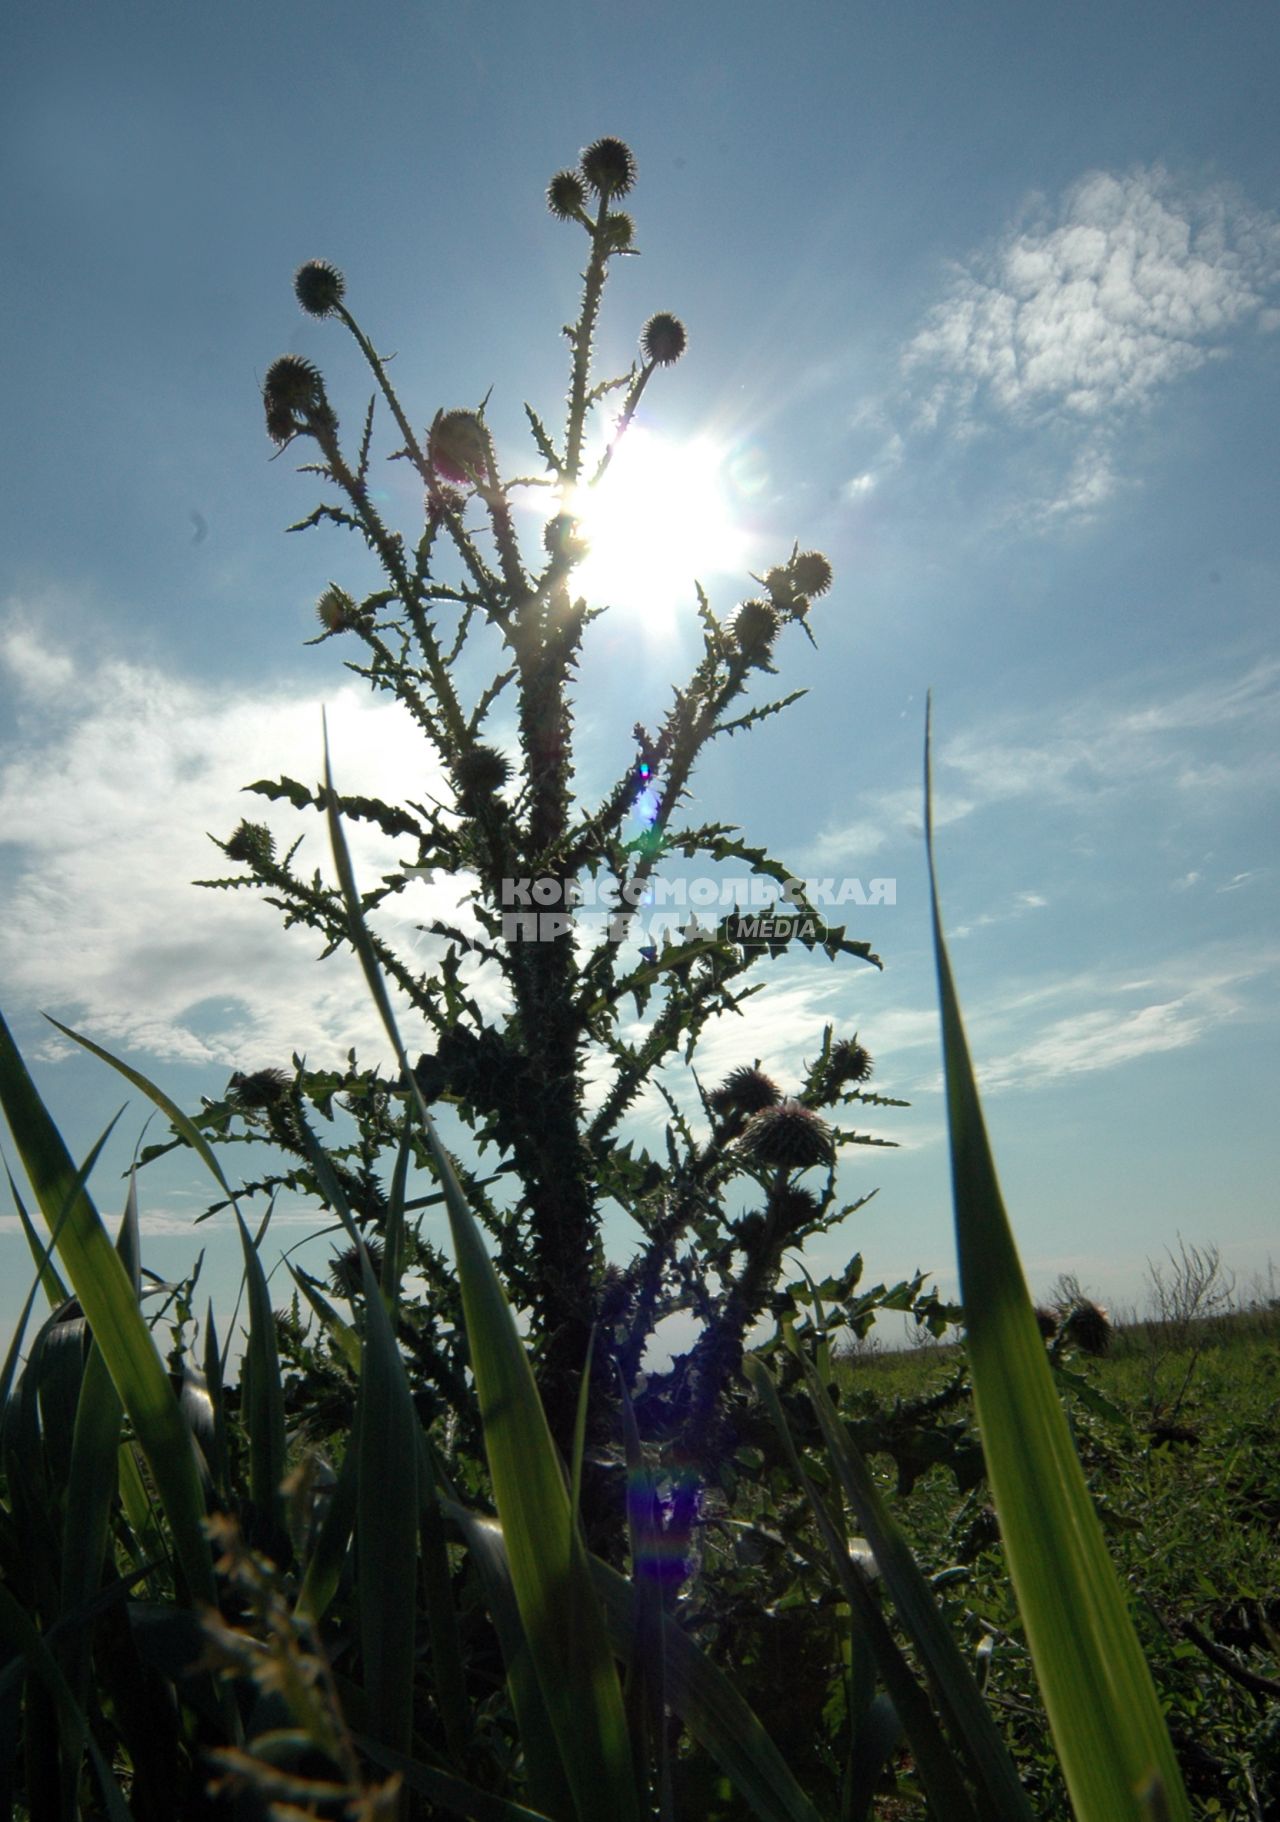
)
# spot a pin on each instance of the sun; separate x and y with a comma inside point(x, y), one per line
point(660, 519)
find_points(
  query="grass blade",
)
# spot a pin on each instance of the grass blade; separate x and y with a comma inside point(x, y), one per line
point(954, 1684)
point(1103, 1709)
point(54, 1289)
point(939, 1772)
point(169, 1108)
point(386, 1522)
point(549, 1571)
point(264, 1403)
point(102, 1284)
point(452, 1794)
point(340, 1331)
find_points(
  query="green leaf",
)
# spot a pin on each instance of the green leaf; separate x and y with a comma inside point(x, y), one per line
point(1102, 1705)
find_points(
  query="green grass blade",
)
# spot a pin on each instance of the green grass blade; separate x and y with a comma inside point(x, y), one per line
point(102, 1284)
point(329, 1553)
point(442, 1616)
point(341, 1332)
point(264, 1401)
point(180, 1122)
point(18, 1631)
point(711, 1708)
point(393, 1246)
point(954, 1685)
point(548, 1788)
point(549, 1571)
point(93, 1477)
point(646, 1691)
point(386, 1523)
point(55, 1290)
point(938, 1769)
point(216, 1450)
point(450, 1793)
point(1103, 1709)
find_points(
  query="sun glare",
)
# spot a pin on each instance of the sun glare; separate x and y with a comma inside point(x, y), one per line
point(659, 520)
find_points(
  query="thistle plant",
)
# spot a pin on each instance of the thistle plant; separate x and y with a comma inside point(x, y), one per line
point(467, 590)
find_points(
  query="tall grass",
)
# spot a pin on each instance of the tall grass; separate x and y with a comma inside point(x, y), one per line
point(351, 1628)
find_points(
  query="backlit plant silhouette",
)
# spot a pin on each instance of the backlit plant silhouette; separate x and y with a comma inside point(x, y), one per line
point(715, 1207)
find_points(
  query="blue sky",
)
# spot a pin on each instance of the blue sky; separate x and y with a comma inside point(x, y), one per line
point(984, 301)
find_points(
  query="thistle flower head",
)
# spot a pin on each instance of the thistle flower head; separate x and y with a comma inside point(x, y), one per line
point(609, 167)
point(754, 627)
point(619, 231)
point(788, 1136)
point(345, 1272)
point(566, 195)
point(1088, 1326)
point(663, 339)
point(744, 1090)
point(458, 446)
point(794, 1208)
point(1046, 1321)
point(293, 383)
point(318, 287)
point(335, 610)
point(810, 572)
point(849, 1061)
point(264, 1088)
point(562, 537)
point(292, 395)
point(481, 772)
point(252, 841)
point(784, 593)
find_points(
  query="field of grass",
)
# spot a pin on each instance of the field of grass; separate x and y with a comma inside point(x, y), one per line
point(1190, 1505)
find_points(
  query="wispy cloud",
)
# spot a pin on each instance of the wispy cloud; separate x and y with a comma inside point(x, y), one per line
point(1081, 1024)
point(1202, 745)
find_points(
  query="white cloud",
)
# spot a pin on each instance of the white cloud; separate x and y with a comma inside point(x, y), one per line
point(106, 801)
point(1131, 283)
point(1083, 313)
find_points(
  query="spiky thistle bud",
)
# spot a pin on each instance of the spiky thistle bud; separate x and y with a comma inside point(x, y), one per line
point(618, 232)
point(789, 1136)
point(293, 383)
point(293, 396)
point(754, 627)
point(336, 611)
point(810, 572)
point(566, 195)
point(263, 1088)
point(1088, 1326)
point(744, 1090)
point(794, 1208)
point(785, 594)
point(1046, 1321)
point(346, 1273)
point(252, 841)
point(480, 773)
point(458, 446)
point(562, 537)
point(318, 287)
point(609, 167)
point(663, 339)
point(849, 1061)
